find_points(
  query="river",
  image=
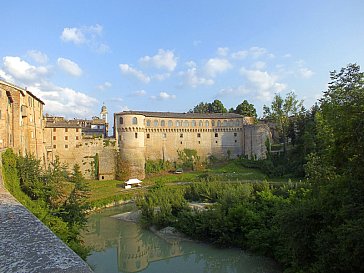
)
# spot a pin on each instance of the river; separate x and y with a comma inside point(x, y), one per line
point(120, 246)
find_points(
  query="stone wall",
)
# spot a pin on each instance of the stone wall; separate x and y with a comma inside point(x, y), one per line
point(255, 140)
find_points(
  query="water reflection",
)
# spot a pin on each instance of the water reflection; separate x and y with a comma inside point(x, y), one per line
point(124, 247)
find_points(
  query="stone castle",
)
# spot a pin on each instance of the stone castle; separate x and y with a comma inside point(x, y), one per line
point(138, 136)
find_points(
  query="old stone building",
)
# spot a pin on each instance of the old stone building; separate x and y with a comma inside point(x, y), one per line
point(21, 121)
point(160, 135)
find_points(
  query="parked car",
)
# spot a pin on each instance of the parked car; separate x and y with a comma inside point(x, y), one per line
point(178, 171)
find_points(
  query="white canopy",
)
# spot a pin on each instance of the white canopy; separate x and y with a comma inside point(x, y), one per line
point(133, 181)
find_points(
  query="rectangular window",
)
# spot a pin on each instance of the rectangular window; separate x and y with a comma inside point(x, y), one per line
point(77, 130)
point(54, 137)
point(148, 135)
point(54, 129)
point(198, 135)
point(76, 137)
point(236, 141)
point(66, 130)
point(216, 135)
point(66, 138)
point(136, 135)
point(54, 146)
point(235, 134)
point(66, 146)
point(164, 135)
point(181, 135)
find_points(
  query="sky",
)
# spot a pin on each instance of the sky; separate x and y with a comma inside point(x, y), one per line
point(171, 55)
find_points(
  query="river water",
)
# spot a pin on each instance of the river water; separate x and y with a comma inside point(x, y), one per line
point(120, 246)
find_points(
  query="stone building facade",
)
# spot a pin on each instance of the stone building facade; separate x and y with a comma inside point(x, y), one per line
point(160, 135)
point(21, 121)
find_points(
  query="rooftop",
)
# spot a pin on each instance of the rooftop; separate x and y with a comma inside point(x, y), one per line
point(182, 115)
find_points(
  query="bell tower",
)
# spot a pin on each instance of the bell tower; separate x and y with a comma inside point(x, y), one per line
point(103, 113)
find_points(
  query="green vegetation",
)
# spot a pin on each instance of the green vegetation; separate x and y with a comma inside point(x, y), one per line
point(60, 205)
point(311, 226)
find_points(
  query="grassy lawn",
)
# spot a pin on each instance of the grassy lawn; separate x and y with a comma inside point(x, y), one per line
point(107, 191)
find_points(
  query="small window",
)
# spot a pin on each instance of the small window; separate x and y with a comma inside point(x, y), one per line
point(148, 135)
point(76, 137)
point(181, 135)
point(66, 138)
point(121, 121)
point(216, 142)
point(235, 134)
point(54, 129)
point(207, 123)
point(164, 135)
point(134, 120)
point(66, 146)
point(193, 123)
point(66, 130)
point(163, 123)
point(216, 135)
point(155, 123)
point(54, 146)
point(136, 135)
point(148, 122)
point(200, 123)
point(170, 123)
point(199, 142)
point(181, 142)
point(198, 134)
point(225, 123)
point(213, 123)
point(218, 123)
point(54, 137)
point(177, 123)
point(77, 129)
point(102, 177)
point(236, 141)
point(186, 123)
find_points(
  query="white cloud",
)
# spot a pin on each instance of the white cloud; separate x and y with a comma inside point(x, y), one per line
point(192, 78)
point(163, 59)
point(233, 91)
point(38, 56)
point(256, 52)
point(305, 72)
point(259, 65)
point(163, 96)
point(20, 70)
point(264, 83)
point(161, 77)
point(58, 100)
point(128, 70)
point(74, 35)
point(239, 55)
point(223, 51)
point(88, 35)
point(69, 66)
point(140, 93)
point(216, 66)
point(104, 86)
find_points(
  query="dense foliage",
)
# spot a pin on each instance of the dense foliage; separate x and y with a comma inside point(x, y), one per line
point(60, 205)
point(311, 226)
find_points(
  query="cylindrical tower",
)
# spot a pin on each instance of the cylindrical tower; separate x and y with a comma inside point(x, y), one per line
point(130, 129)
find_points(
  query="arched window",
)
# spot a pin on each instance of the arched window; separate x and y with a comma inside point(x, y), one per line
point(155, 123)
point(185, 123)
point(237, 123)
point(163, 123)
point(193, 123)
point(231, 123)
point(148, 122)
point(121, 121)
point(218, 123)
point(170, 123)
point(212, 123)
point(207, 123)
point(225, 123)
point(200, 123)
point(177, 123)
point(134, 120)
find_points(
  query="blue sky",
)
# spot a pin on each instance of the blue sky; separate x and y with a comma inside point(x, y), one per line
point(171, 55)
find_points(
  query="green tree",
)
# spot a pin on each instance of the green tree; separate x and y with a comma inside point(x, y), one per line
point(246, 109)
point(202, 107)
point(283, 112)
point(217, 107)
